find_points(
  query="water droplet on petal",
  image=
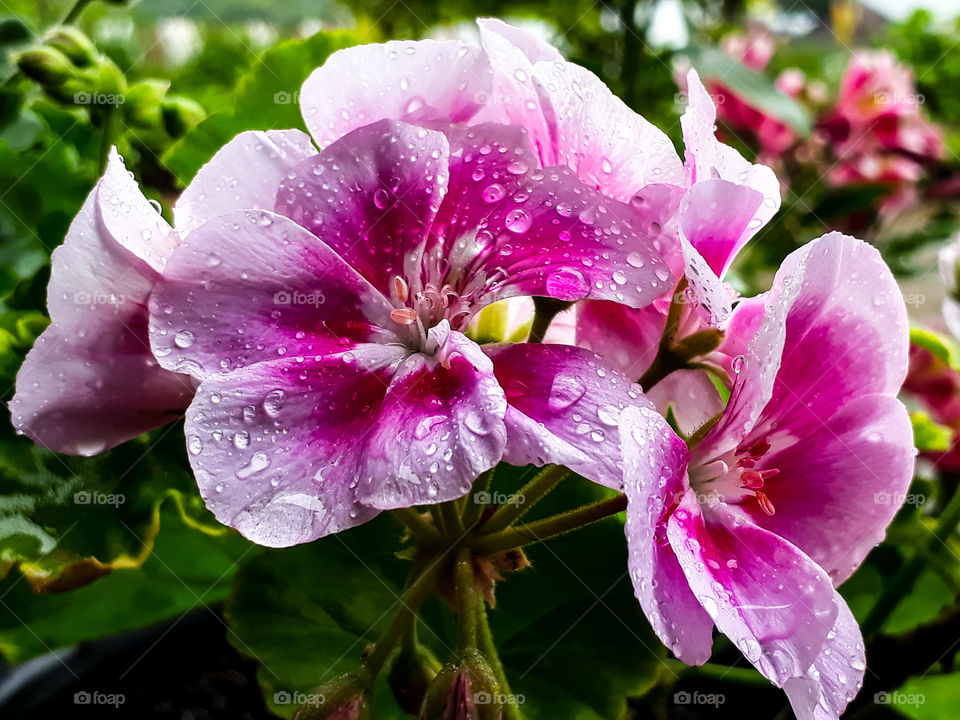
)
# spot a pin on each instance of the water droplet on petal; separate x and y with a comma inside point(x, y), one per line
point(258, 463)
point(565, 391)
point(184, 339)
point(518, 221)
point(493, 193)
point(567, 284)
point(273, 402)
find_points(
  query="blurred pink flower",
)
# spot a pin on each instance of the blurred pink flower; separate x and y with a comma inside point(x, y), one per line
point(936, 384)
point(326, 325)
point(876, 128)
point(754, 49)
point(778, 503)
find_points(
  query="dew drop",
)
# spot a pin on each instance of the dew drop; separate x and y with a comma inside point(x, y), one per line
point(273, 402)
point(258, 463)
point(184, 339)
point(518, 221)
point(565, 392)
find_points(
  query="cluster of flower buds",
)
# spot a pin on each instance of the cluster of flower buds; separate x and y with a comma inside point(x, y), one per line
point(70, 69)
point(344, 698)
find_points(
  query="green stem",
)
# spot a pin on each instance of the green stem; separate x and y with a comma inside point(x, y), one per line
point(539, 530)
point(666, 361)
point(452, 522)
point(411, 600)
point(424, 531)
point(474, 509)
point(78, 7)
point(545, 310)
point(531, 493)
point(906, 577)
point(467, 594)
point(663, 364)
point(437, 518)
point(106, 140)
point(489, 648)
point(713, 671)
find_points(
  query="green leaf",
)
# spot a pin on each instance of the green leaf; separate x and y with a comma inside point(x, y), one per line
point(574, 609)
point(751, 86)
point(187, 569)
point(928, 435)
point(940, 346)
point(930, 697)
point(65, 521)
point(306, 613)
point(267, 99)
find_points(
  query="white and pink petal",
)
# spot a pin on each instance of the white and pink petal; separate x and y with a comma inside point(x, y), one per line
point(654, 467)
point(427, 82)
point(564, 407)
point(372, 197)
point(277, 447)
point(770, 599)
point(243, 175)
point(252, 286)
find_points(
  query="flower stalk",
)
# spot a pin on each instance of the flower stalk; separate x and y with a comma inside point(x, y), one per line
point(550, 527)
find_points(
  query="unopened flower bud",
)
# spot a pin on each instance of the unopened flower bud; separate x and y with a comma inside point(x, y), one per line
point(110, 78)
point(355, 709)
point(410, 675)
point(142, 106)
point(343, 698)
point(466, 692)
point(72, 43)
point(47, 66)
point(699, 344)
point(179, 114)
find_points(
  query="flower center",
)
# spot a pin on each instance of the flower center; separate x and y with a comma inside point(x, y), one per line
point(736, 477)
point(426, 309)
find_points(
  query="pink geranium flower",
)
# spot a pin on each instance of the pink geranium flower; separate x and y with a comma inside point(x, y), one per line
point(724, 201)
point(90, 382)
point(778, 503)
point(327, 326)
point(877, 129)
